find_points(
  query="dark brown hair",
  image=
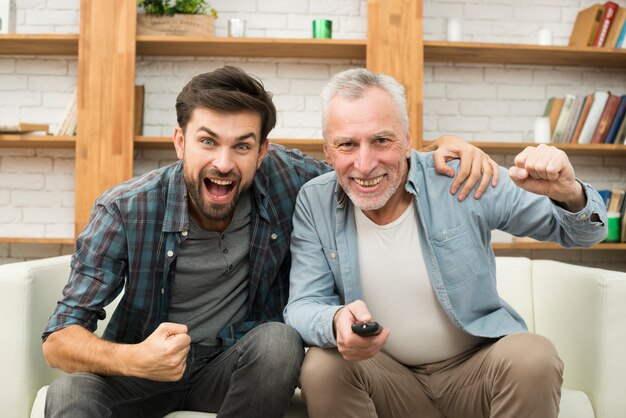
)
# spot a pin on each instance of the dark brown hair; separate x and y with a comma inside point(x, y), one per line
point(227, 89)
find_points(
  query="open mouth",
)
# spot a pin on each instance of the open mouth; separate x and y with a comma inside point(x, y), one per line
point(368, 182)
point(219, 189)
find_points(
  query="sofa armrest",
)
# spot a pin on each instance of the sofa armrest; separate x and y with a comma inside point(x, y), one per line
point(30, 291)
point(583, 311)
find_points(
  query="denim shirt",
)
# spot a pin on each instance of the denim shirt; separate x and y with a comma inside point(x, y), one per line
point(455, 243)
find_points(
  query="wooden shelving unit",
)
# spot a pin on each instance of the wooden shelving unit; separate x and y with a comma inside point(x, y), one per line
point(553, 246)
point(38, 141)
point(492, 53)
point(66, 44)
point(570, 149)
point(39, 241)
point(250, 47)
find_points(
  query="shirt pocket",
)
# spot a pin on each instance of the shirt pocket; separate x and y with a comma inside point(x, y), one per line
point(456, 256)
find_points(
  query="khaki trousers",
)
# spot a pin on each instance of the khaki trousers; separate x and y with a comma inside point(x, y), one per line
point(519, 375)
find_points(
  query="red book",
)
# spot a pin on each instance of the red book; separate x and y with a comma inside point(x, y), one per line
point(610, 9)
point(605, 120)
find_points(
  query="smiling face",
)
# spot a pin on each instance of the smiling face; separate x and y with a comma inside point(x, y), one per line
point(366, 144)
point(221, 153)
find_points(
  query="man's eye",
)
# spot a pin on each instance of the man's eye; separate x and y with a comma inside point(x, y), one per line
point(243, 147)
point(382, 141)
point(207, 141)
point(345, 145)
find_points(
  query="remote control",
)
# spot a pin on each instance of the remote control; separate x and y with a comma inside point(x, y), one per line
point(365, 329)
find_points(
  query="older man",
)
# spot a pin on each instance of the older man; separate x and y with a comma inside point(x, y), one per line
point(380, 239)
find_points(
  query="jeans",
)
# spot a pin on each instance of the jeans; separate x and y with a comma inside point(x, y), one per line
point(254, 378)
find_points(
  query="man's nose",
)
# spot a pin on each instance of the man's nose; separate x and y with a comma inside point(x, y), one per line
point(366, 159)
point(223, 160)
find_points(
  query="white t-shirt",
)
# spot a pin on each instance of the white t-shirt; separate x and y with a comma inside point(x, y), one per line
point(398, 292)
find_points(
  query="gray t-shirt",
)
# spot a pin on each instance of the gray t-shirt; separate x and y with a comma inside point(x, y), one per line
point(211, 282)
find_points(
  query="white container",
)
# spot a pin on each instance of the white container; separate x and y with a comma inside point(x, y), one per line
point(454, 30)
point(236, 27)
point(544, 37)
point(542, 130)
point(8, 12)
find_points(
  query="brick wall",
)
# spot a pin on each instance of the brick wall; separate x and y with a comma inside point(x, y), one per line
point(477, 102)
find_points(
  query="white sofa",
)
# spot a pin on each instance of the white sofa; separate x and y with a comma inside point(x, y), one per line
point(582, 310)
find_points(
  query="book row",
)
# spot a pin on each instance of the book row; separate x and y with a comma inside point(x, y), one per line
point(615, 201)
point(601, 26)
point(597, 118)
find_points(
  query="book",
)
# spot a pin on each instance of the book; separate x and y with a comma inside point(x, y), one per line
point(602, 129)
point(605, 23)
point(139, 101)
point(555, 110)
point(620, 138)
point(617, 121)
point(574, 114)
point(8, 14)
point(581, 119)
point(22, 127)
point(616, 28)
point(621, 43)
point(605, 194)
point(586, 26)
point(559, 130)
point(617, 200)
point(67, 126)
point(546, 112)
point(593, 117)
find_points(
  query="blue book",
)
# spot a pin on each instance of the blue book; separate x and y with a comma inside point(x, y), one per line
point(617, 121)
point(620, 41)
point(606, 196)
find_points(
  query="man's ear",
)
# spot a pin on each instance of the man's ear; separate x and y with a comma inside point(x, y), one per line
point(179, 142)
point(262, 152)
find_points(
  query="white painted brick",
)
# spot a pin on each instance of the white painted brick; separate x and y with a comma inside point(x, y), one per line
point(616, 78)
point(28, 165)
point(160, 101)
point(537, 14)
point(159, 117)
point(51, 215)
point(61, 230)
point(42, 66)
point(52, 83)
point(237, 6)
point(475, 28)
point(22, 230)
point(13, 82)
point(526, 108)
point(184, 71)
point(434, 91)
point(17, 152)
point(64, 166)
point(21, 98)
point(21, 181)
point(67, 199)
point(492, 12)
point(313, 104)
point(508, 76)
point(356, 26)
point(433, 29)
point(52, 17)
point(39, 198)
point(10, 214)
point(432, 10)
point(615, 161)
point(301, 119)
point(7, 65)
point(63, 4)
point(4, 250)
point(40, 114)
point(55, 152)
point(483, 108)
point(59, 182)
point(458, 74)
point(289, 102)
point(521, 92)
point(470, 91)
point(557, 77)
point(500, 137)
point(461, 123)
point(56, 99)
point(266, 21)
point(581, 161)
point(291, 70)
point(35, 29)
point(30, 251)
point(152, 67)
point(516, 32)
point(561, 91)
point(296, 133)
point(306, 86)
point(441, 108)
point(335, 7)
point(511, 124)
point(283, 6)
point(5, 197)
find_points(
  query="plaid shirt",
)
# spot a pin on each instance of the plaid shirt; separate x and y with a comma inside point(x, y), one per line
point(134, 235)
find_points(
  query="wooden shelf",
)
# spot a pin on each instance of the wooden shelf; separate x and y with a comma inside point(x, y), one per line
point(57, 241)
point(12, 44)
point(250, 47)
point(570, 149)
point(553, 246)
point(495, 53)
point(37, 141)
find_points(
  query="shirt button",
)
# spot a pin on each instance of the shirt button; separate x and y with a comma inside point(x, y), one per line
point(274, 236)
point(222, 236)
point(184, 233)
point(582, 217)
point(170, 253)
point(225, 250)
point(333, 255)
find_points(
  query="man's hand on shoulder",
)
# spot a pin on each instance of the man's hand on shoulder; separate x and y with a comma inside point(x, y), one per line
point(354, 347)
point(475, 165)
point(546, 170)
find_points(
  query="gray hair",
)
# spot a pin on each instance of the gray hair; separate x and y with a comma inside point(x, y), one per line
point(352, 84)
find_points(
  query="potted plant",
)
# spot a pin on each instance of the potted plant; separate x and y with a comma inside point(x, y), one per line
point(176, 17)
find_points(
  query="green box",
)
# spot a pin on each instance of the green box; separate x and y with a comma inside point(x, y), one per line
point(322, 28)
point(614, 223)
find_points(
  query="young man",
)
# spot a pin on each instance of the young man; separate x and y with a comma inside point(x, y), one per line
point(201, 250)
point(380, 239)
